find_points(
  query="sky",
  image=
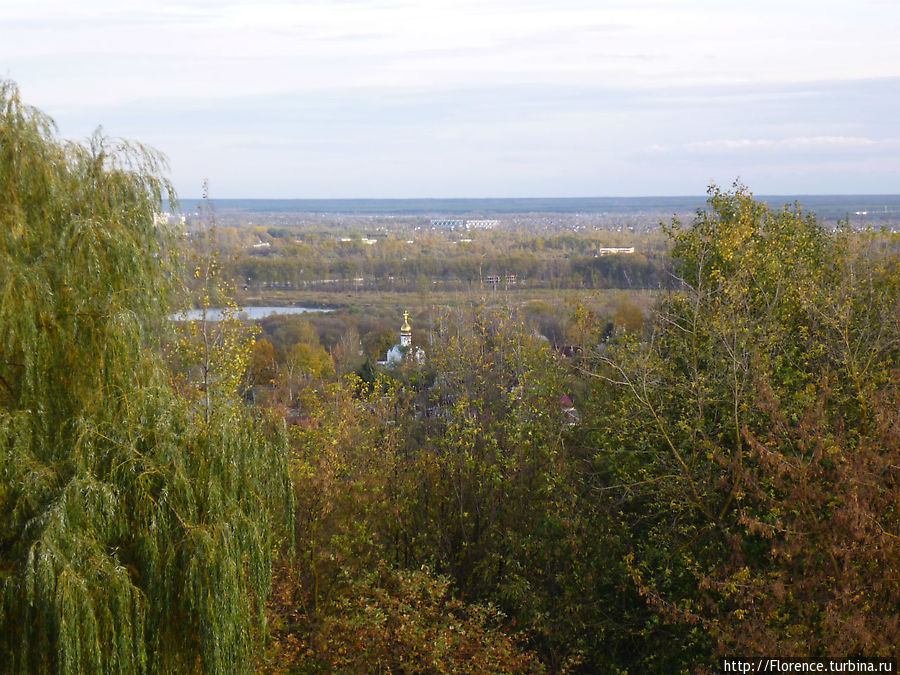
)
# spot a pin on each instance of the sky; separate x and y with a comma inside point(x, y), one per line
point(475, 98)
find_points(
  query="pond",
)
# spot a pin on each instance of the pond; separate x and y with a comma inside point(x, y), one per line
point(246, 313)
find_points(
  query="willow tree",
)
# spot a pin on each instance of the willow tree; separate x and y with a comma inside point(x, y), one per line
point(135, 534)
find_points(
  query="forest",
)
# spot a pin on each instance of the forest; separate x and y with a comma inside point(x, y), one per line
point(701, 460)
point(284, 258)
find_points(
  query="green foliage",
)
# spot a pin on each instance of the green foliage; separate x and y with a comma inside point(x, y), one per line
point(739, 434)
point(737, 452)
point(485, 486)
point(457, 464)
point(136, 529)
point(354, 599)
point(345, 463)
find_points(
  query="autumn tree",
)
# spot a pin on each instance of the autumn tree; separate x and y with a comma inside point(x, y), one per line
point(391, 621)
point(263, 364)
point(744, 449)
point(137, 527)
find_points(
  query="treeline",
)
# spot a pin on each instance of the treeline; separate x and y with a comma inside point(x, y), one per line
point(626, 271)
point(717, 477)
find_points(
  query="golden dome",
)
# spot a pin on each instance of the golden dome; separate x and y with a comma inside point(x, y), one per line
point(406, 328)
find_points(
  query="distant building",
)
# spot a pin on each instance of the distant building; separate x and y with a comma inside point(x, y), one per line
point(406, 350)
point(481, 224)
point(509, 278)
point(611, 250)
point(451, 223)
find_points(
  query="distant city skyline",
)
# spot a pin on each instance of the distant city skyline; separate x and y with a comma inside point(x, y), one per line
point(466, 98)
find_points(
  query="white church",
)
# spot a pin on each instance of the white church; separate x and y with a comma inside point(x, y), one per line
point(406, 350)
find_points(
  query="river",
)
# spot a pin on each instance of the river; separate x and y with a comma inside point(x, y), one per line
point(246, 313)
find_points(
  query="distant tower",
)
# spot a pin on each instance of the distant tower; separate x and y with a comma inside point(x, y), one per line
point(405, 351)
point(405, 331)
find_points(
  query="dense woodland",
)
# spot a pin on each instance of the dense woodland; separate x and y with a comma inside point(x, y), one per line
point(640, 483)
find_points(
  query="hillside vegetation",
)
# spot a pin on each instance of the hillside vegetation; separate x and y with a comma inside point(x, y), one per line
point(621, 482)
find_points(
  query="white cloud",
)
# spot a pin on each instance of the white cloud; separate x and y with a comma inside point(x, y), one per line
point(294, 46)
point(797, 143)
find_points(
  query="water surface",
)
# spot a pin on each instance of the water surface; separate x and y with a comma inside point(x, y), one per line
point(246, 313)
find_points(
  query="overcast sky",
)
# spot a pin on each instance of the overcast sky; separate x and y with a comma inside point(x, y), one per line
point(476, 98)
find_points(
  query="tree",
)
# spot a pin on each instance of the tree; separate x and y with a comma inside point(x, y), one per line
point(135, 535)
point(263, 365)
point(304, 361)
point(748, 439)
point(377, 341)
point(346, 353)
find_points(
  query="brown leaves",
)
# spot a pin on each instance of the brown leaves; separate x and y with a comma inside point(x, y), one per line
point(825, 499)
point(399, 622)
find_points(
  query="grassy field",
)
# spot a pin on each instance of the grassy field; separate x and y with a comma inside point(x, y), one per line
point(381, 303)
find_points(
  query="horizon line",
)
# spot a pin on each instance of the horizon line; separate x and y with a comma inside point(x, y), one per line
point(522, 198)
